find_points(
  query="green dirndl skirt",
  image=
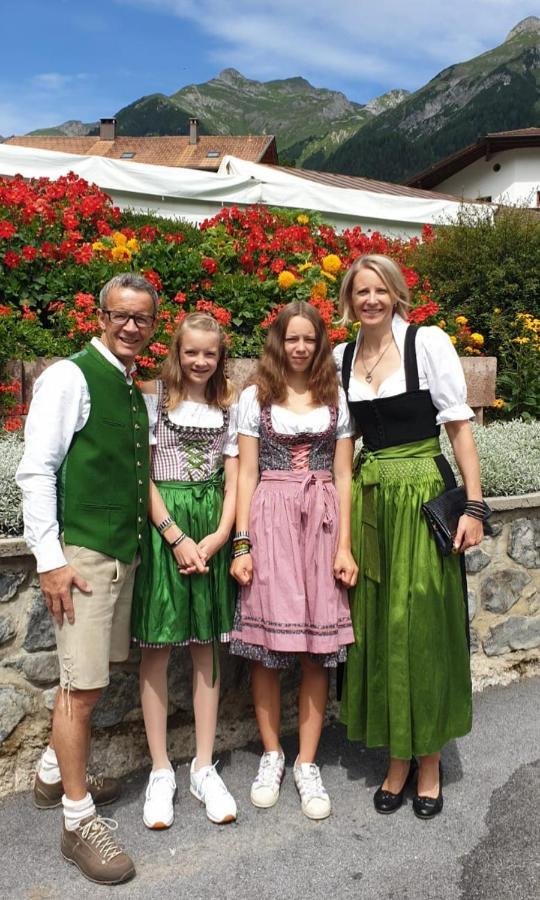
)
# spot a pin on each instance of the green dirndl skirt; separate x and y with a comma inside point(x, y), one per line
point(170, 608)
point(407, 678)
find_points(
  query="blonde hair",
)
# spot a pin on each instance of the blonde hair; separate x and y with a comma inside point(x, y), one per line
point(219, 390)
point(390, 274)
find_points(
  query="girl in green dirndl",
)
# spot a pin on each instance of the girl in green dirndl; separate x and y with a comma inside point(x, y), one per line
point(407, 678)
point(183, 593)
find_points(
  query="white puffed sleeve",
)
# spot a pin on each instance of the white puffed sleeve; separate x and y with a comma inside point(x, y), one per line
point(152, 410)
point(444, 374)
point(337, 353)
point(230, 447)
point(344, 427)
point(249, 412)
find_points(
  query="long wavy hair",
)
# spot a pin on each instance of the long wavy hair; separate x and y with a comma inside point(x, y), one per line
point(271, 375)
point(219, 390)
point(391, 276)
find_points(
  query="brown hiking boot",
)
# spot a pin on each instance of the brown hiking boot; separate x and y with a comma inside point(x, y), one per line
point(103, 791)
point(92, 848)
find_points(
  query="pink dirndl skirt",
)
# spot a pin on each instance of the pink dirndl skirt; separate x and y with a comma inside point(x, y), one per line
point(294, 604)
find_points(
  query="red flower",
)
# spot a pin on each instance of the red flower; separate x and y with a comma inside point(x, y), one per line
point(179, 297)
point(209, 265)
point(147, 233)
point(28, 313)
point(153, 278)
point(13, 423)
point(421, 313)
point(5, 311)
point(278, 265)
point(29, 253)
point(158, 349)
point(7, 230)
point(223, 316)
point(84, 255)
point(11, 259)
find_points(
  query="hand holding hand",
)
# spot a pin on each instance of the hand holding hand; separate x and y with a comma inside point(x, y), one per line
point(56, 586)
point(242, 569)
point(189, 559)
point(210, 545)
point(345, 568)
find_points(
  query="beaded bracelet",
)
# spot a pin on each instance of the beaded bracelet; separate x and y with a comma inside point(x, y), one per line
point(165, 524)
point(475, 509)
point(241, 536)
point(178, 540)
point(237, 553)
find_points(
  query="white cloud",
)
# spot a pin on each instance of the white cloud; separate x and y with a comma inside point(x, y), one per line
point(55, 81)
point(391, 42)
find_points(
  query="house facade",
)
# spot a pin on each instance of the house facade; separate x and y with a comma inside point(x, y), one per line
point(503, 167)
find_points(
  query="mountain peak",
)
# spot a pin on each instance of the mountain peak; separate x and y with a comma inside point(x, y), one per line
point(527, 26)
point(230, 76)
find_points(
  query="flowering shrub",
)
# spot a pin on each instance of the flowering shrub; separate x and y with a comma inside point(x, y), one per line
point(60, 241)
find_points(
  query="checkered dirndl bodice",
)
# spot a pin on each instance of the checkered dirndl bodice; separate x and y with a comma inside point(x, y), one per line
point(185, 452)
point(306, 451)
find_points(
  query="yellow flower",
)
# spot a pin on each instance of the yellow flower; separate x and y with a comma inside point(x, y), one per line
point(304, 267)
point(119, 239)
point(328, 275)
point(477, 339)
point(133, 245)
point(302, 219)
point(461, 320)
point(286, 279)
point(98, 246)
point(497, 310)
point(331, 263)
point(453, 338)
point(442, 323)
point(121, 254)
point(319, 289)
point(469, 350)
point(498, 403)
point(520, 340)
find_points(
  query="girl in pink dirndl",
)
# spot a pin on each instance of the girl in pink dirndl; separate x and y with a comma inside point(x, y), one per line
point(291, 551)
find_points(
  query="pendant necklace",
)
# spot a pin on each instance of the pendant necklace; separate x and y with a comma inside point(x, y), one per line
point(369, 372)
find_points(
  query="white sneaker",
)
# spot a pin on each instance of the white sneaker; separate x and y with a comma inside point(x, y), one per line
point(158, 807)
point(265, 788)
point(315, 801)
point(208, 787)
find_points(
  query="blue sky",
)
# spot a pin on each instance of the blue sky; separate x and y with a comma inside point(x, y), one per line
point(66, 59)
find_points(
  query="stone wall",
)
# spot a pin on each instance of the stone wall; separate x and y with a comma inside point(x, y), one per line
point(504, 606)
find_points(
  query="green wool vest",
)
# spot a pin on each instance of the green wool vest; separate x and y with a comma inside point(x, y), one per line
point(103, 480)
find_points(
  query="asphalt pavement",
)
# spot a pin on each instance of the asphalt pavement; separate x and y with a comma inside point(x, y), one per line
point(485, 844)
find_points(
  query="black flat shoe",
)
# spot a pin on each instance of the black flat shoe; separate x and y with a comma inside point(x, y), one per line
point(428, 807)
point(385, 802)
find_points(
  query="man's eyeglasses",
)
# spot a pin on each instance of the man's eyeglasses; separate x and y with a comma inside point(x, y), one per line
point(117, 317)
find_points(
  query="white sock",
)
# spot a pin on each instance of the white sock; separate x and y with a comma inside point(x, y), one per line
point(48, 769)
point(77, 810)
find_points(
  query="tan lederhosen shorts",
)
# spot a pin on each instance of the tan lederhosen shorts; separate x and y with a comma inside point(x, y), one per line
point(100, 633)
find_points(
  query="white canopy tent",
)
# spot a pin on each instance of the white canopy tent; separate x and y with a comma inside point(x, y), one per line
point(193, 195)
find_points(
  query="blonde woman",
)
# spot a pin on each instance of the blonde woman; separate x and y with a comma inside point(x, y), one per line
point(407, 680)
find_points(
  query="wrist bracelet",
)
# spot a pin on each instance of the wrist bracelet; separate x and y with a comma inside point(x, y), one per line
point(165, 524)
point(178, 540)
point(241, 535)
point(237, 553)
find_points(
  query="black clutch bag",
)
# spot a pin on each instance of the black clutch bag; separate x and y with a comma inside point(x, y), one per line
point(443, 513)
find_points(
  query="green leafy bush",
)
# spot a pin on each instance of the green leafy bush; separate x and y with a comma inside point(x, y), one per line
point(11, 451)
point(509, 457)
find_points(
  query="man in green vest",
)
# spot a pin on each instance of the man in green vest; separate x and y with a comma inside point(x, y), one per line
point(84, 478)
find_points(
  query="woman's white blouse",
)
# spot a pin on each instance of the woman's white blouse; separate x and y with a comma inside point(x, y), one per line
point(196, 415)
point(284, 421)
point(439, 371)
